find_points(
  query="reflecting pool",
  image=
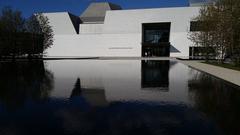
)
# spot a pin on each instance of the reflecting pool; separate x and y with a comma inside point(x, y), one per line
point(115, 97)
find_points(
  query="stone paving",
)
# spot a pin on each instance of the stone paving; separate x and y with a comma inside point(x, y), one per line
point(229, 75)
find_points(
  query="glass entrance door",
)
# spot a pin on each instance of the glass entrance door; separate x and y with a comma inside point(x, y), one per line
point(155, 41)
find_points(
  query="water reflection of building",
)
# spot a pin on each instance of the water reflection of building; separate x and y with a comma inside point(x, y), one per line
point(155, 74)
point(94, 96)
point(121, 80)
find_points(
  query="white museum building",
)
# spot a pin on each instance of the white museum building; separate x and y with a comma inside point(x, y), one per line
point(106, 30)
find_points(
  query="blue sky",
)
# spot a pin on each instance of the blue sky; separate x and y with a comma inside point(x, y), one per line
point(76, 7)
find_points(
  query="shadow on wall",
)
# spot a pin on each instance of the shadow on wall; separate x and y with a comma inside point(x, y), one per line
point(173, 49)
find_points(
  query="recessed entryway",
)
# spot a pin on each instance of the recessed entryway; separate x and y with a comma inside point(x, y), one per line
point(155, 39)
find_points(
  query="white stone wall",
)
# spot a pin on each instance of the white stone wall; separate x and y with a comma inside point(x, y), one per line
point(121, 33)
point(91, 28)
point(61, 23)
point(88, 45)
point(130, 21)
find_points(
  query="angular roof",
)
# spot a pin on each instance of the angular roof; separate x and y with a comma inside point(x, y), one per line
point(96, 11)
point(63, 23)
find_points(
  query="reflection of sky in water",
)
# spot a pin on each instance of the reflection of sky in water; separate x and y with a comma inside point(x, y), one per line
point(114, 97)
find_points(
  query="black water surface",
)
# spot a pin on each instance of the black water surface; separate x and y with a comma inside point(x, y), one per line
point(121, 97)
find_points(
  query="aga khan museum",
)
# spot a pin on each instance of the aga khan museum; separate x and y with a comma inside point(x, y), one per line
point(106, 30)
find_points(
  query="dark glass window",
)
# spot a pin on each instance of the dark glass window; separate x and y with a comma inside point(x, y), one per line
point(195, 26)
point(155, 33)
point(201, 52)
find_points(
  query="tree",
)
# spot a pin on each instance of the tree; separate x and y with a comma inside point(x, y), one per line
point(20, 36)
point(46, 31)
point(204, 37)
point(220, 25)
point(33, 26)
point(39, 24)
point(236, 32)
point(12, 23)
